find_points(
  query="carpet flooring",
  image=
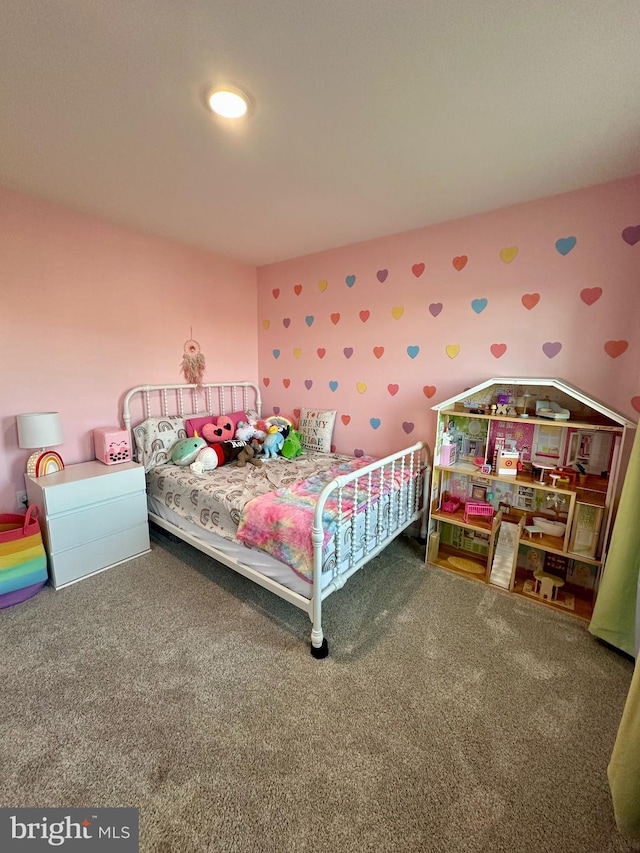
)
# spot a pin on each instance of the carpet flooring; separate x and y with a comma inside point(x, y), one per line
point(448, 717)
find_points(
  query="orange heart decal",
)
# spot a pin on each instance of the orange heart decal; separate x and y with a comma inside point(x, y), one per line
point(335, 319)
point(297, 289)
point(321, 352)
point(429, 391)
point(346, 419)
point(276, 293)
point(296, 413)
point(498, 350)
point(615, 348)
point(530, 300)
point(460, 262)
point(590, 295)
point(378, 352)
point(364, 316)
point(417, 270)
point(635, 402)
point(286, 382)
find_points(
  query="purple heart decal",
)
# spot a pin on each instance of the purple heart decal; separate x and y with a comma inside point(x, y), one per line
point(435, 308)
point(382, 275)
point(357, 452)
point(551, 348)
point(276, 410)
point(308, 384)
point(348, 352)
point(407, 426)
point(631, 235)
point(286, 322)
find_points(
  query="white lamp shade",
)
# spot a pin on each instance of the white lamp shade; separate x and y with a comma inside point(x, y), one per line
point(39, 429)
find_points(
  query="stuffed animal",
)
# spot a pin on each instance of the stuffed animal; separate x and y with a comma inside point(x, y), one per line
point(248, 431)
point(292, 445)
point(272, 443)
point(212, 457)
point(221, 430)
point(248, 454)
point(186, 450)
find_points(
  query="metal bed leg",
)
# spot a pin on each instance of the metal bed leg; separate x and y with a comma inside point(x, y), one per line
point(320, 651)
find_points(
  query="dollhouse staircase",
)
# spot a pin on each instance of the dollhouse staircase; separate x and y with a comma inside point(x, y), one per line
point(505, 555)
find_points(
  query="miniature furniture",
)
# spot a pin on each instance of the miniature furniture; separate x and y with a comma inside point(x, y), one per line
point(545, 445)
point(94, 517)
point(547, 585)
point(481, 508)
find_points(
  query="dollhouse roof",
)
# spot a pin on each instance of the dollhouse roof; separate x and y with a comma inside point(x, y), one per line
point(568, 396)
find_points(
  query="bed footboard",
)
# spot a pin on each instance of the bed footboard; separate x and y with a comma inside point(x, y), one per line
point(374, 505)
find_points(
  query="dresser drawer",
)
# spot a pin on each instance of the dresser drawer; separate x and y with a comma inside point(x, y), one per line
point(75, 563)
point(68, 530)
point(68, 492)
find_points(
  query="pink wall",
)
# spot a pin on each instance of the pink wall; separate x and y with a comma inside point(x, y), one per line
point(549, 288)
point(89, 310)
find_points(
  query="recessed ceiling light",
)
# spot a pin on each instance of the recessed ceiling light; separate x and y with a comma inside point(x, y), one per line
point(228, 102)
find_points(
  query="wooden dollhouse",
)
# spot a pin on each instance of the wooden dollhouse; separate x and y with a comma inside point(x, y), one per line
point(526, 474)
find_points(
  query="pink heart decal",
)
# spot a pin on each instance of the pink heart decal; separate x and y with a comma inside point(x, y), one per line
point(460, 262)
point(335, 319)
point(551, 348)
point(286, 322)
point(435, 308)
point(631, 235)
point(590, 295)
point(530, 300)
point(498, 350)
point(393, 389)
point(286, 382)
point(321, 352)
point(276, 293)
point(266, 381)
point(378, 352)
point(308, 383)
point(346, 419)
point(297, 289)
point(364, 316)
point(635, 402)
point(382, 275)
point(429, 391)
point(357, 452)
point(407, 426)
point(615, 348)
point(417, 270)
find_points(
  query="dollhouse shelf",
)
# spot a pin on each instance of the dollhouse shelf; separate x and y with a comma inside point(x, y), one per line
point(593, 437)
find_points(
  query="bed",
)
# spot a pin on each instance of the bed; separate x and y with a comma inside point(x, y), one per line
point(298, 527)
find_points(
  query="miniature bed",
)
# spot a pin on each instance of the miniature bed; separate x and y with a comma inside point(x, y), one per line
point(297, 527)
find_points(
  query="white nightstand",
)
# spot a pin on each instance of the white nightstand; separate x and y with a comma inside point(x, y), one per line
point(93, 516)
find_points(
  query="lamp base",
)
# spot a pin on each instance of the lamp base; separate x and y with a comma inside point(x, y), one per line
point(42, 462)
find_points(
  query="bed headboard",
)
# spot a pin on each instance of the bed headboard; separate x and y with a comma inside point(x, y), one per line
point(216, 398)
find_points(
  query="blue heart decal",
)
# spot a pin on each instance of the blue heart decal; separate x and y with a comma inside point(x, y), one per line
point(350, 280)
point(565, 244)
point(309, 320)
point(333, 385)
point(375, 422)
point(276, 353)
point(479, 305)
point(413, 351)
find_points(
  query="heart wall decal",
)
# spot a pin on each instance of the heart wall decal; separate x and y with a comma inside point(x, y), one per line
point(589, 295)
point(322, 285)
point(565, 244)
point(479, 305)
point(429, 391)
point(635, 402)
point(417, 270)
point(308, 384)
point(408, 427)
point(530, 300)
point(297, 289)
point(381, 275)
point(460, 262)
point(452, 350)
point(551, 348)
point(631, 235)
point(393, 389)
point(397, 312)
point(507, 255)
point(375, 422)
point(616, 348)
point(378, 352)
point(498, 350)
point(435, 308)
point(350, 280)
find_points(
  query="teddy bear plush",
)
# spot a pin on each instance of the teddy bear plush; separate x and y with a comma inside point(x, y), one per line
point(248, 454)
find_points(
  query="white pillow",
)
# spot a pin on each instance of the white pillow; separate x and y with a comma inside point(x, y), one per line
point(316, 429)
point(154, 439)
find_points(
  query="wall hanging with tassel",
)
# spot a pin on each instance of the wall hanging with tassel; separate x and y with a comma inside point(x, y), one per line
point(193, 362)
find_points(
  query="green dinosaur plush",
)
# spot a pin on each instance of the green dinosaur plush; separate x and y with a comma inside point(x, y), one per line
point(292, 445)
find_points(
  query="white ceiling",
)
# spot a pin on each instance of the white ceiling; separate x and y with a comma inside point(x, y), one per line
point(370, 117)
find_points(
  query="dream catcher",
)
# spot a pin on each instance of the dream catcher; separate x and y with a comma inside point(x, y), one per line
point(193, 362)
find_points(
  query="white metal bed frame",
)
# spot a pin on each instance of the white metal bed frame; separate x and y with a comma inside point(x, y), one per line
point(407, 503)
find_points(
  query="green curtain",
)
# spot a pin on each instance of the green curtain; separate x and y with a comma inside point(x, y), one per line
point(614, 614)
point(614, 620)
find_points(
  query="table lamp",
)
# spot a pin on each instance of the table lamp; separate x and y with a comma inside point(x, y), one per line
point(37, 431)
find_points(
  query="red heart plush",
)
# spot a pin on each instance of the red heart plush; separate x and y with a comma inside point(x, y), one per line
point(222, 430)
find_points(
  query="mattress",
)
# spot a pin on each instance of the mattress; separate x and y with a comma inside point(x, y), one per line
point(210, 507)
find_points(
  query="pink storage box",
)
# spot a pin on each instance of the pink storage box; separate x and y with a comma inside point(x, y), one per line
point(111, 445)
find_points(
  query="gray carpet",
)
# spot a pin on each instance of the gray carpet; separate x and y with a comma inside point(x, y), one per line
point(449, 716)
